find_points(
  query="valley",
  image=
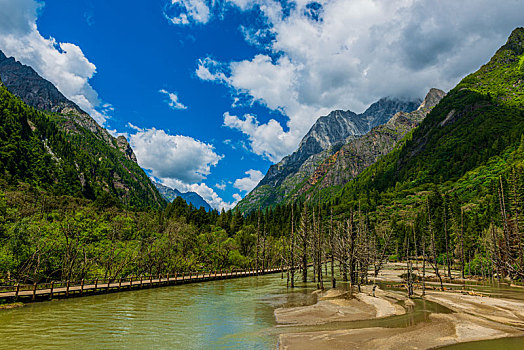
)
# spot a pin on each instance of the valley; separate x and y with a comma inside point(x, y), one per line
point(398, 227)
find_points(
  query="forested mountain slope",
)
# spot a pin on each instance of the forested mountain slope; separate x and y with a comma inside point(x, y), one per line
point(481, 118)
point(56, 144)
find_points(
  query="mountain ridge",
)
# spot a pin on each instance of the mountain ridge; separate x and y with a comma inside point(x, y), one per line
point(479, 120)
point(193, 198)
point(109, 163)
point(361, 152)
point(323, 139)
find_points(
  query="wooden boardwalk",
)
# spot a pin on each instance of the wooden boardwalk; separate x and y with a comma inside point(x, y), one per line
point(48, 291)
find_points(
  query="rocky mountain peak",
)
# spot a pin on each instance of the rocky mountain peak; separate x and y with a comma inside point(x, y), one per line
point(25, 83)
point(432, 98)
point(124, 146)
point(324, 139)
point(382, 110)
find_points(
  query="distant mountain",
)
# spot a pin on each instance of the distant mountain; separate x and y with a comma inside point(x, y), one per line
point(193, 198)
point(324, 139)
point(85, 159)
point(361, 152)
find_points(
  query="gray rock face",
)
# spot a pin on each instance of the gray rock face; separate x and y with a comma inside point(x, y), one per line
point(23, 82)
point(361, 152)
point(324, 138)
point(432, 99)
point(35, 91)
point(124, 146)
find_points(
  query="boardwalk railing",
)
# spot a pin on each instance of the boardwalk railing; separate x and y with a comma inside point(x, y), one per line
point(61, 289)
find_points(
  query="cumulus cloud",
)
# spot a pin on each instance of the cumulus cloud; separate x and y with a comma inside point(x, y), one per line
point(324, 55)
point(63, 64)
point(172, 101)
point(177, 161)
point(249, 182)
point(173, 156)
point(209, 195)
point(268, 140)
point(211, 70)
point(182, 12)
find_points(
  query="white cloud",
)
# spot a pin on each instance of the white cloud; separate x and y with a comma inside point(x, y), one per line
point(209, 195)
point(343, 54)
point(249, 182)
point(173, 101)
point(268, 140)
point(63, 64)
point(173, 157)
point(211, 70)
point(182, 12)
point(221, 186)
point(177, 161)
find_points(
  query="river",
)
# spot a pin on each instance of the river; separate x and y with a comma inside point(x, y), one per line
point(226, 314)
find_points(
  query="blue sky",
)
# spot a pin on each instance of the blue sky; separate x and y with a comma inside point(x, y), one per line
point(211, 93)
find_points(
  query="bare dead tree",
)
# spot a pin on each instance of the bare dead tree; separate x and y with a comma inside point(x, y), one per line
point(433, 248)
point(332, 246)
point(292, 248)
point(303, 235)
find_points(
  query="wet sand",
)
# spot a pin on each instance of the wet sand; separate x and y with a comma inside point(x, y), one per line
point(474, 317)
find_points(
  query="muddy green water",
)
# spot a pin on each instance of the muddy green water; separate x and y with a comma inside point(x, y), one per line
point(231, 314)
point(503, 344)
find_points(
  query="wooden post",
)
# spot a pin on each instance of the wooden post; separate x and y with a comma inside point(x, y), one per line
point(17, 290)
point(120, 283)
point(141, 281)
point(51, 294)
point(67, 289)
point(34, 291)
point(131, 282)
point(168, 279)
point(82, 287)
point(150, 279)
point(96, 284)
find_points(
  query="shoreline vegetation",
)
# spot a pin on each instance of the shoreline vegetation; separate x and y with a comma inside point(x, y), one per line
point(369, 319)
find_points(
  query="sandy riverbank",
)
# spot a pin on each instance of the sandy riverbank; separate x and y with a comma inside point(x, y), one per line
point(334, 305)
point(474, 317)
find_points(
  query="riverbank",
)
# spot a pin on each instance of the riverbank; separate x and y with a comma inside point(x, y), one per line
point(472, 317)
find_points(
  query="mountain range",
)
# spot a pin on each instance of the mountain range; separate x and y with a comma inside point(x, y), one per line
point(324, 139)
point(192, 198)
